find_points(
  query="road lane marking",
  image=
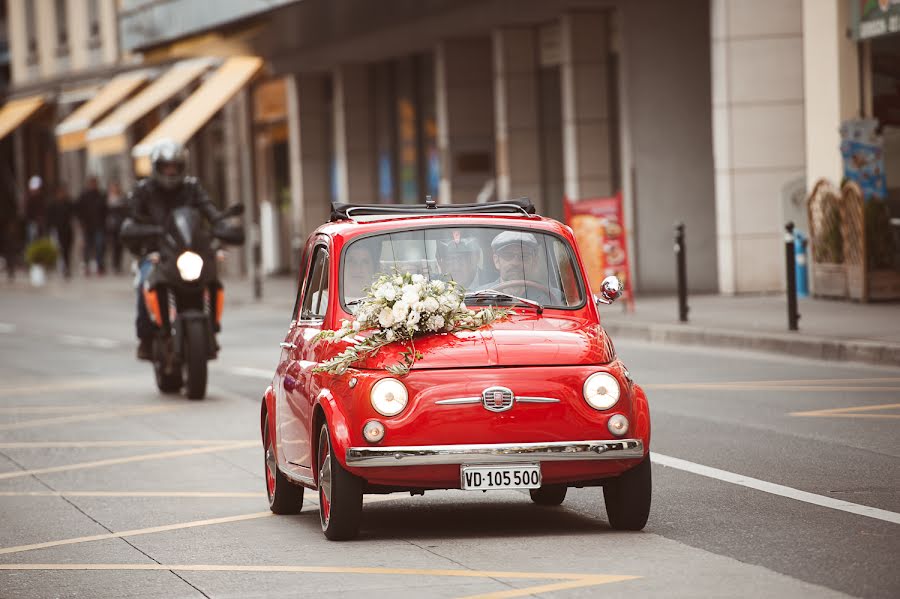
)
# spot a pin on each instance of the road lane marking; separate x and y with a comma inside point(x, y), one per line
point(33, 388)
point(129, 459)
point(6, 327)
point(775, 489)
point(96, 342)
point(258, 373)
point(86, 417)
point(745, 387)
point(783, 382)
point(88, 444)
point(572, 581)
point(46, 409)
point(852, 412)
point(137, 532)
point(189, 494)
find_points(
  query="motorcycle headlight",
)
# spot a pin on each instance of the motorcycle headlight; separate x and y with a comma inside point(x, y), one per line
point(601, 390)
point(389, 397)
point(189, 266)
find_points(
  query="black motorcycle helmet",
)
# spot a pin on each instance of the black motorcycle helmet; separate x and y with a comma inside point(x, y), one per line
point(168, 160)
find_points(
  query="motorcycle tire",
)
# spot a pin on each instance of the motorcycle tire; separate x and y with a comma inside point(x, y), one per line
point(165, 382)
point(194, 359)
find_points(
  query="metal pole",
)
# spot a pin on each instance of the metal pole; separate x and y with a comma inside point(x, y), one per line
point(793, 315)
point(682, 272)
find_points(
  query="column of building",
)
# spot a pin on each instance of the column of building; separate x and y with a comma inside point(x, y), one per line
point(465, 119)
point(354, 134)
point(587, 143)
point(517, 129)
point(308, 152)
point(758, 135)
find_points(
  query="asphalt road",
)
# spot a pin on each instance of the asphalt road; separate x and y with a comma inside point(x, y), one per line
point(773, 476)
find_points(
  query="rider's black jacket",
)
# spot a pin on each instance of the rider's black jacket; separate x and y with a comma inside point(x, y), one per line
point(150, 204)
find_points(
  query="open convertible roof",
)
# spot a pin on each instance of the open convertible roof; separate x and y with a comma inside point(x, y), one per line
point(369, 212)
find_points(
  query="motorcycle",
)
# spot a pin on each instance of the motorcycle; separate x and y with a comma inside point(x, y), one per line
point(184, 296)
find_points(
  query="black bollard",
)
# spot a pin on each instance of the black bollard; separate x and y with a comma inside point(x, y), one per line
point(790, 257)
point(682, 272)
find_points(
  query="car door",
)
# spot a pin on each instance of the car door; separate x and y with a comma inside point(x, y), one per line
point(285, 374)
point(314, 304)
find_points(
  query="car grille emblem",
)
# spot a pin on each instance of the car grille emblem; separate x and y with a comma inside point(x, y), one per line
point(497, 399)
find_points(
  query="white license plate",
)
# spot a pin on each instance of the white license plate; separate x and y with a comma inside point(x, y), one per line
point(489, 478)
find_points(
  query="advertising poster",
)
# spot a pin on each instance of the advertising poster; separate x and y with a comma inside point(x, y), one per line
point(861, 150)
point(600, 232)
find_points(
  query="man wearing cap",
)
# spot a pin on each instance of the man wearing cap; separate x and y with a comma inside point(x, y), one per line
point(458, 259)
point(516, 259)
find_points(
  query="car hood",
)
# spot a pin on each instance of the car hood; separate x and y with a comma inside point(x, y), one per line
point(523, 340)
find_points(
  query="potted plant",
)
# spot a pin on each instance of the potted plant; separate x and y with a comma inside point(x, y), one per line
point(40, 255)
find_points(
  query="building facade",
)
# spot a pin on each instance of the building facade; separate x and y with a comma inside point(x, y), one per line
point(720, 114)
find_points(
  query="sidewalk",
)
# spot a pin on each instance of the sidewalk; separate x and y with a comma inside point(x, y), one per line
point(829, 330)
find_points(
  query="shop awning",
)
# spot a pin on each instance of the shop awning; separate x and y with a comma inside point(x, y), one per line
point(109, 136)
point(194, 112)
point(71, 133)
point(16, 112)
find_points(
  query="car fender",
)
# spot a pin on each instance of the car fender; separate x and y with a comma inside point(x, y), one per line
point(268, 408)
point(337, 425)
point(641, 416)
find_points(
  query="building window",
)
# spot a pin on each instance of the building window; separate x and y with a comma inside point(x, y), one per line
point(31, 33)
point(62, 28)
point(93, 13)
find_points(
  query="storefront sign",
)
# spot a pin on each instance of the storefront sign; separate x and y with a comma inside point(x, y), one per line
point(874, 18)
point(600, 233)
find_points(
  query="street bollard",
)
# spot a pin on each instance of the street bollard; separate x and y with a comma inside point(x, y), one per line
point(793, 315)
point(800, 243)
point(682, 272)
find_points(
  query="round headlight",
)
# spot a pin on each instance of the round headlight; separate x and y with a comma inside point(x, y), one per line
point(189, 266)
point(601, 390)
point(389, 397)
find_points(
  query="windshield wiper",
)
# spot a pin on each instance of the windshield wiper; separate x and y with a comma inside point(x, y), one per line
point(493, 293)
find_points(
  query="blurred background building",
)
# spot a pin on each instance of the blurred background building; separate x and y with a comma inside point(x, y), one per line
point(717, 113)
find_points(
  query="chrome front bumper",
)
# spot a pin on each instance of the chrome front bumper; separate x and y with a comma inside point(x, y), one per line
point(499, 453)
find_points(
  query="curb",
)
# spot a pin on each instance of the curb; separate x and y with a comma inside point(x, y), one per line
point(821, 348)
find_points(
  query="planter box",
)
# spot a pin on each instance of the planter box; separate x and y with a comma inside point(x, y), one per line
point(829, 280)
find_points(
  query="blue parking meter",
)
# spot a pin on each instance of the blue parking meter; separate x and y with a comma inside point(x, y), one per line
point(801, 268)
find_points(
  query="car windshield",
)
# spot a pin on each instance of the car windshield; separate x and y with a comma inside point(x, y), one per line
point(517, 263)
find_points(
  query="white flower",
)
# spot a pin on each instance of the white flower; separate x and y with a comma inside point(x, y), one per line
point(401, 309)
point(413, 318)
point(430, 304)
point(418, 279)
point(386, 318)
point(356, 325)
point(410, 294)
point(390, 335)
point(437, 286)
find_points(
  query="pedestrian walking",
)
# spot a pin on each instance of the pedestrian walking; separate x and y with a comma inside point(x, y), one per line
point(91, 211)
point(35, 210)
point(60, 215)
point(115, 215)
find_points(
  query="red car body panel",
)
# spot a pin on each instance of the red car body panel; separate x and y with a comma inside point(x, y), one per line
point(549, 354)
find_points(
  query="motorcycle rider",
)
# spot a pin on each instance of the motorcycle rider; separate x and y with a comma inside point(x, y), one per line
point(151, 202)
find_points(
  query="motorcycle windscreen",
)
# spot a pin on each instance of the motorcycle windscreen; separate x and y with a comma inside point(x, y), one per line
point(189, 230)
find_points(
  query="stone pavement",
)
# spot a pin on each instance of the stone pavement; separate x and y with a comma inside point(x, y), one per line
point(829, 330)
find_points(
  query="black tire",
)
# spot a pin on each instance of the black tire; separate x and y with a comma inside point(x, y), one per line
point(284, 496)
point(340, 494)
point(628, 496)
point(194, 358)
point(549, 494)
point(166, 383)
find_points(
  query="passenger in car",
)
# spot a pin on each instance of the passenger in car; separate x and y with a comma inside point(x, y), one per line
point(458, 259)
point(515, 255)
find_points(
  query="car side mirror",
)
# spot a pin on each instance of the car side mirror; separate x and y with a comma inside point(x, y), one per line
point(610, 290)
point(234, 210)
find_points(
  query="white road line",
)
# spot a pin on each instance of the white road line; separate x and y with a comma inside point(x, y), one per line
point(257, 373)
point(6, 327)
point(775, 489)
point(99, 342)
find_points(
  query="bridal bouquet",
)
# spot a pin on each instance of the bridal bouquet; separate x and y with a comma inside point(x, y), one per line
point(398, 308)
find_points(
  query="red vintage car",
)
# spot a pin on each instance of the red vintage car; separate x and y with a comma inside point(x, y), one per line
point(534, 400)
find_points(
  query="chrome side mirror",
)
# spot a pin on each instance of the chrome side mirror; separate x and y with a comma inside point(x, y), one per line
point(610, 290)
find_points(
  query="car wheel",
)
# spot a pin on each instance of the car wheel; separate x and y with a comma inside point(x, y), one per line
point(340, 494)
point(548, 494)
point(284, 496)
point(628, 497)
